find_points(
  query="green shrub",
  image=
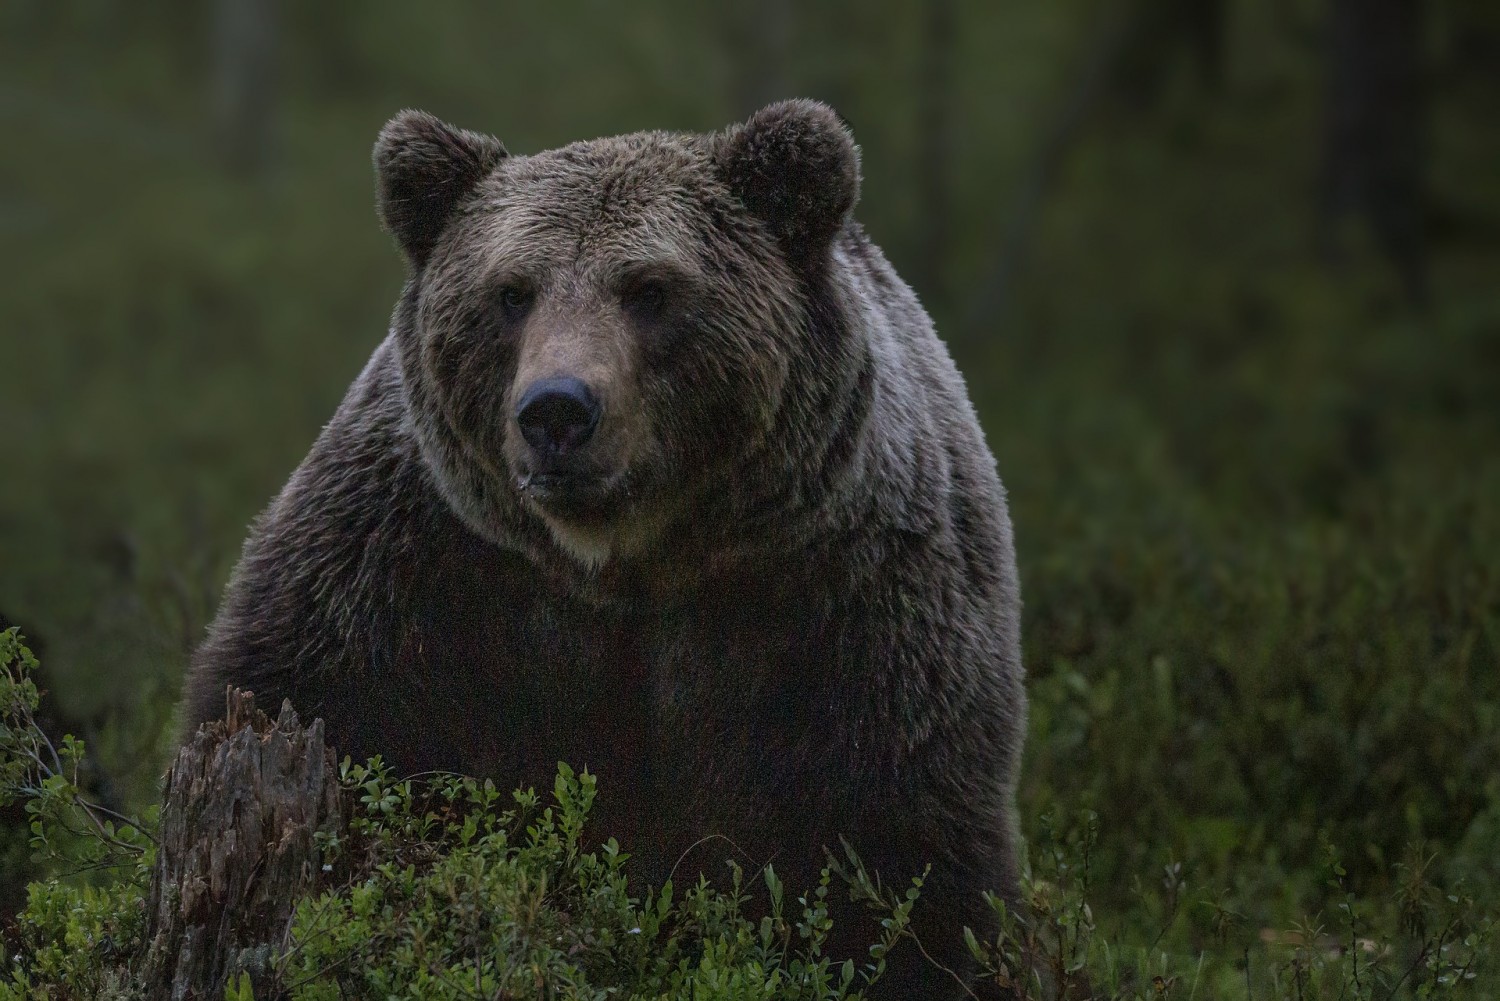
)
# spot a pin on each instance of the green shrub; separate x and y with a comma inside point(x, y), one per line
point(446, 888)
point(76, 931)
point(437, 889)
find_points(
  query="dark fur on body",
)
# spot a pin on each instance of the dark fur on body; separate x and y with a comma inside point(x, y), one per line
point(786, 608)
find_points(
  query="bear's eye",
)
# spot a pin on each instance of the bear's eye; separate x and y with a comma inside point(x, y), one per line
point(516, 299)
point(647, 297)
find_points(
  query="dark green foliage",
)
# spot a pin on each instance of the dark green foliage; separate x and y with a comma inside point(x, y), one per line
point(441, 888)
point(445, 888)
point(1431, 944)
point(1260, 547)
point(1255, 496)
point(71, 938)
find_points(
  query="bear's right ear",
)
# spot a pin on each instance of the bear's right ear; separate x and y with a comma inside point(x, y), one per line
point(423, 166)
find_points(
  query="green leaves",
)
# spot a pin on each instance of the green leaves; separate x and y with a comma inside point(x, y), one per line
point(240, 989)
point(438, 894)
point(446, 887)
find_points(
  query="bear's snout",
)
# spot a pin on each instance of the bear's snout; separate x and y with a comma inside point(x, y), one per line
point(557, 416)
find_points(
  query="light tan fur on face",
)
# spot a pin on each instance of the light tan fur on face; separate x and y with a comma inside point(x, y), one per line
point(574, 332)
point(680, 399)
point(578, 331)
point(589, 545)
point(629, 535)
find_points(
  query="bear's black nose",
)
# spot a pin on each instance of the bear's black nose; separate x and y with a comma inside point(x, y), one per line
point(557, 415)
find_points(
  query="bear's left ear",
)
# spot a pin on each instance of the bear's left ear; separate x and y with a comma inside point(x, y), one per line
point(423, 166)
point(794, 164)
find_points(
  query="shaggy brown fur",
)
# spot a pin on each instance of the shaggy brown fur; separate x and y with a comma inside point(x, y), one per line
point(771, 597)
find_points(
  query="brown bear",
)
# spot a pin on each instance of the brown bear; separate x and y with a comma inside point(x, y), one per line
point(662, 471)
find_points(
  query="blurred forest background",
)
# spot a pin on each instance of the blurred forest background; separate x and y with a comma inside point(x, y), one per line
point(1223, 275)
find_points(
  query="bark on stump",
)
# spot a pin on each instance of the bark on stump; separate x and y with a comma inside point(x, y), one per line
point(236, 849)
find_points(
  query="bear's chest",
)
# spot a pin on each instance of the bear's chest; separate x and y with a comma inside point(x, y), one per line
point(751, 694)
point(704, 712)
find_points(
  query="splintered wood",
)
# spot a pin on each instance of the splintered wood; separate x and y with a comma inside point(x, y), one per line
point(236, 849)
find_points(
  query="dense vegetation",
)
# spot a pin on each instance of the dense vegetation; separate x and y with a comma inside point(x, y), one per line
point(440, 887)
point(1254, 481)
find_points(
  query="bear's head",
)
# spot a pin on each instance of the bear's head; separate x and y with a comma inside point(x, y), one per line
point(597, 340)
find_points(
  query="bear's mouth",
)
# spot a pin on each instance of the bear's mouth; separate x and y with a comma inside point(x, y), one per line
point(572, 495)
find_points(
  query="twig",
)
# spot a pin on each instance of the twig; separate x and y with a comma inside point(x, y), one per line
point(704, 840)
point(948, 970)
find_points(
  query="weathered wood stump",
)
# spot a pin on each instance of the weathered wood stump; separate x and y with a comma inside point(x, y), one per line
point(236, 849)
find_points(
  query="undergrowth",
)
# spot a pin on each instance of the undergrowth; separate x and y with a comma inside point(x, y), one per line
point(449, 888)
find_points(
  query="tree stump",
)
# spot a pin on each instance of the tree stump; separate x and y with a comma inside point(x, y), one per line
point(236, 849)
